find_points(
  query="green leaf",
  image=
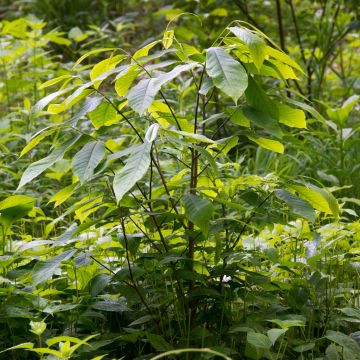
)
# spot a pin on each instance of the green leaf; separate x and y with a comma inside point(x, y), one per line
point(133, 171)
point(331, 353)
point(37, 327)
point(142, 95)
point(47, 99)
point(76, 34)
point(87, 159)
point(27, 345)
point(263, 120)
point(54, 81)
point(136, 165)
point(257, 98)
point(89, 53)
point(168, 38)
point(258, 340)
point(14, 208)
point(158, 342)
point(63, 195)
point(125, 79)
point(268, 144)
point(90, 104)
point(98, 284)
point(255, 44)
point(285, 324)
point(320, 199)
point(307, 108)
point(291, 117)
point(238, 117)
point(38, 167)
point(36, 139)
point(284, 58)
point(199, 211)
point(341, 115)
point(104, 66)
point(103, 115)
point(145, 50)
point(274, 334)
point(345, 341)
point(227, 74)
point(331, 200)
point(44, 270)
point(297, 205)
point(111, 305)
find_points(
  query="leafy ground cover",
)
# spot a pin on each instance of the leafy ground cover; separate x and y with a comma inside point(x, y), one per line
point(192, 196)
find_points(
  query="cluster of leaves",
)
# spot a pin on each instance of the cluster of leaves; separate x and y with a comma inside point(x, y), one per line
point(160, 237)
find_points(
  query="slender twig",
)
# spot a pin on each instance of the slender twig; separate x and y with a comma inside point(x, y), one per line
point(280, 24)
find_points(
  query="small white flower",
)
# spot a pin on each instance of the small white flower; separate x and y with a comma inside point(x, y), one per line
point(226, 279)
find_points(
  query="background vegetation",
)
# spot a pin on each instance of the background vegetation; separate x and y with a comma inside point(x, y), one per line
point(180, 179)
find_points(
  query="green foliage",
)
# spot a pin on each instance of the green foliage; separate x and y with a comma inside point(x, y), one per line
point(190, 196)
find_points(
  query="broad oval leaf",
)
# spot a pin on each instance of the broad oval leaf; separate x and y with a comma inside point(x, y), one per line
point(320, 199)
point(134, 169)
point(142, 95)
point(14, 208)
point(103, 115)
point(87, 159)
point(255, 44)
point(199, 211)
point(227, 74)
point(44, 270)
point(297, 206)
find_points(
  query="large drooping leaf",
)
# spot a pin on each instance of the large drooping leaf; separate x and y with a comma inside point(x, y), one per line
point(142, 95)
point(226, 73)
point(87, 159)
point(44, 270)
point(136, 165)
point(297, 206)
point(14, 208)
point(346, 342)
point(256, 44)
point(319, 199)
point(330, 198)
point(36, 168)
point(199, 211)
